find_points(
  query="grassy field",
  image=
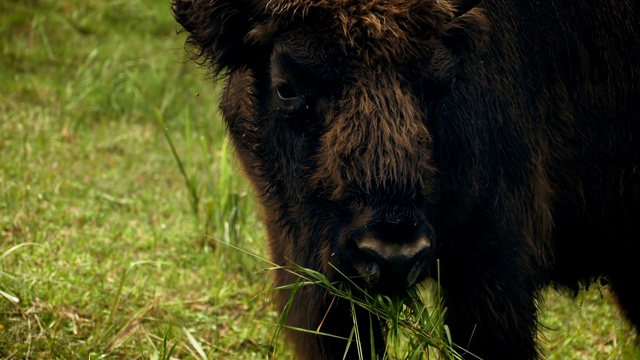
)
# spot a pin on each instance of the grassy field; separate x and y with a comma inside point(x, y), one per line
point(106, 249)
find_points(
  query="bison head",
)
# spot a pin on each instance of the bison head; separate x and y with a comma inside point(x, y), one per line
point(329, 105)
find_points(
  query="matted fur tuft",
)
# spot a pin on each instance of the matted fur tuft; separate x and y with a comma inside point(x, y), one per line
point(216, 30)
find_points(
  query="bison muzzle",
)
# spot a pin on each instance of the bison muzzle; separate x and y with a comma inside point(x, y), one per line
point(501, 138)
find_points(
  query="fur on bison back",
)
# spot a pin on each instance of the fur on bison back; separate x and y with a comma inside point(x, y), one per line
point(500, 137)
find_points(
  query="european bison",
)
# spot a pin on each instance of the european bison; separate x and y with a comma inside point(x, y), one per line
point(502, 138)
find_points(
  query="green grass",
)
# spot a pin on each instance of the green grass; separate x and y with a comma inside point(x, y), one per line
point(99, 240)
point(106, 247)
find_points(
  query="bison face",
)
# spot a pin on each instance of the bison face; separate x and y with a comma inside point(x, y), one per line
point(328, 104)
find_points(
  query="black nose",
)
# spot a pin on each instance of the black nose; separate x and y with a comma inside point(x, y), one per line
point(395, 255)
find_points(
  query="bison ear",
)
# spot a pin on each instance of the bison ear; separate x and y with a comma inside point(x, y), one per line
point(463, 6)
point(216, 30)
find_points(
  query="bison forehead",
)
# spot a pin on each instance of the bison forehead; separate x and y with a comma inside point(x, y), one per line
point(376, 140)
point(381, 22)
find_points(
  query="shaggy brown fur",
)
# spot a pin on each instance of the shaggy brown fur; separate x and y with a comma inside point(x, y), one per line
point(380, 135)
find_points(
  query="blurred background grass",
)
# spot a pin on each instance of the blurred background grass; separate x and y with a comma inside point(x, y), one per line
point(106, 248)
point(101, 248)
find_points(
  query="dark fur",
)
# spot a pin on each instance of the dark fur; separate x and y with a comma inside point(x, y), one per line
point(508, 132)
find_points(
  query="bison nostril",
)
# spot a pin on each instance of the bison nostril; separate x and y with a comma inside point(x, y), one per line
point(414, 273)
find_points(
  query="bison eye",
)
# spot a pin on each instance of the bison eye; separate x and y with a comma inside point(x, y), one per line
point(286, 92)
point(289, 99)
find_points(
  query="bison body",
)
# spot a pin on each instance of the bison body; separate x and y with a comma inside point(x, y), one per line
point(502, 138)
